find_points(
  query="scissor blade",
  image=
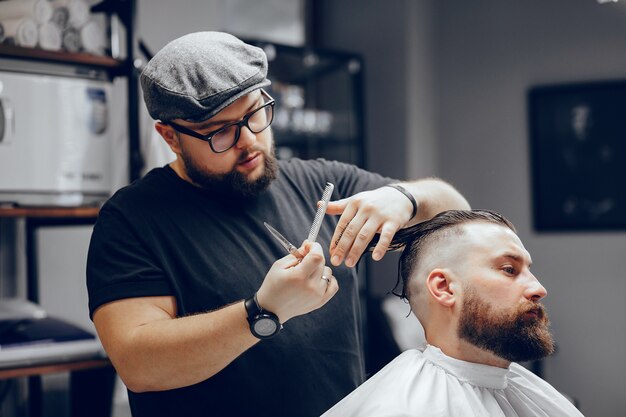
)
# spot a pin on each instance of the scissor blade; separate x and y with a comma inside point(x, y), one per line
point(289, 247)
point(321, 211)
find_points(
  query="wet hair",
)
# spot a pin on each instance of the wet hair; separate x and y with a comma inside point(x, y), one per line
point(415, 238)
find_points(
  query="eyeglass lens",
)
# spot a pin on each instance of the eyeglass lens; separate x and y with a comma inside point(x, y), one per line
point(256, 122)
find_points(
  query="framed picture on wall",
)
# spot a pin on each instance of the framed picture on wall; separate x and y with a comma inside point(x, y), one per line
point(578, 156)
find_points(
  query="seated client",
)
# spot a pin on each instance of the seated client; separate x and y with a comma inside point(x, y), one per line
point(467, 278)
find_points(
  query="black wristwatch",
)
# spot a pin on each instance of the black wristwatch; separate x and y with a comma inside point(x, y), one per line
point(263, 324)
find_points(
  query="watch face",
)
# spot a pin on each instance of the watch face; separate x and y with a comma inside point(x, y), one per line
point(265, 326)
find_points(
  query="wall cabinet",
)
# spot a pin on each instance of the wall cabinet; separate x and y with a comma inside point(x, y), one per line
point(319, 102)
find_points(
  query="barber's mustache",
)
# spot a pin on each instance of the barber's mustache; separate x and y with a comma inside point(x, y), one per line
point(246, 154)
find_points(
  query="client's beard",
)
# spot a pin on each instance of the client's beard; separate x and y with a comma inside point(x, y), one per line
point(234, 182)
point(511, 336)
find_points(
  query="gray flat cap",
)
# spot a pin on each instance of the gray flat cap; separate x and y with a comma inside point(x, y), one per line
point(196, 76)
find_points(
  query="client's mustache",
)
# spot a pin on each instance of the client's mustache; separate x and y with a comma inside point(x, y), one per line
point(535, 308)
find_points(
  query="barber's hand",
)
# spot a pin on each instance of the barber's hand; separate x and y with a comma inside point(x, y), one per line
point(293, 288)
point(383, 211)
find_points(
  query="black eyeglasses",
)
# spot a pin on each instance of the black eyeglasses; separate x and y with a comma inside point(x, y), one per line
point(227, 136)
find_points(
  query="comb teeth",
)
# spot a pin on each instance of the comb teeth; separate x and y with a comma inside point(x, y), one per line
point(319, 215)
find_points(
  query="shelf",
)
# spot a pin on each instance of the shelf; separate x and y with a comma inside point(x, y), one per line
point(93, 377)
point(50, 212)
point(53, 368)
point(10, 51)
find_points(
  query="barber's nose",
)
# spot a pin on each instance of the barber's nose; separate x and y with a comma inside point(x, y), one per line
point(535, 291)
point(246, 138)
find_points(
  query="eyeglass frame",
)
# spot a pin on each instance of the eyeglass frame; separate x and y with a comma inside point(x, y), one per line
point(240, 124)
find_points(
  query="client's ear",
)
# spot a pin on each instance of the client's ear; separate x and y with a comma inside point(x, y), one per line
point(440, 287)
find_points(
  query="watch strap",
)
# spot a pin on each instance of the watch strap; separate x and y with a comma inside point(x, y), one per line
point(256, 315)
point(252, 307)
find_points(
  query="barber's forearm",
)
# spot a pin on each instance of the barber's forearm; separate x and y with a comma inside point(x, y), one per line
point(434, 196)
point(174, 353)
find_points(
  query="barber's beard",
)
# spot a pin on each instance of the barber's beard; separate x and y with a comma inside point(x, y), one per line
point(234, 183)
point(511, 336)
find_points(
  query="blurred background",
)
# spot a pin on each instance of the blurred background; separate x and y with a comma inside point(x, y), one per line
point(520, 105)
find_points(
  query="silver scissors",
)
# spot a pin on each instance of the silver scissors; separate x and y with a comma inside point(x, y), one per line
point(315, 227)
point(292, 249)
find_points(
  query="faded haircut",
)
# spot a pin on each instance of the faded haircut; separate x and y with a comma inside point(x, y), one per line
point(413, 240)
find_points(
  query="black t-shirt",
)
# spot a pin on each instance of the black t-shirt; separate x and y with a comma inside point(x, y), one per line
point(163, 236)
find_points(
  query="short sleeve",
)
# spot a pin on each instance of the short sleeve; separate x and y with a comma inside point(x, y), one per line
point(118, 263)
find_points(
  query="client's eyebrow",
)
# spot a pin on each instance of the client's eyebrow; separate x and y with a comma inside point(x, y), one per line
point(515, 257)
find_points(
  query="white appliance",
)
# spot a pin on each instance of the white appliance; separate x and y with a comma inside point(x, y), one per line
point(55, 140)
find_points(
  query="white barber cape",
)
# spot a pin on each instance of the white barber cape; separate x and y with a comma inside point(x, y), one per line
point(431, 384)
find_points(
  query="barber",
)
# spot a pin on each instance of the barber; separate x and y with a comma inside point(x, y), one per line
point(197, 306)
